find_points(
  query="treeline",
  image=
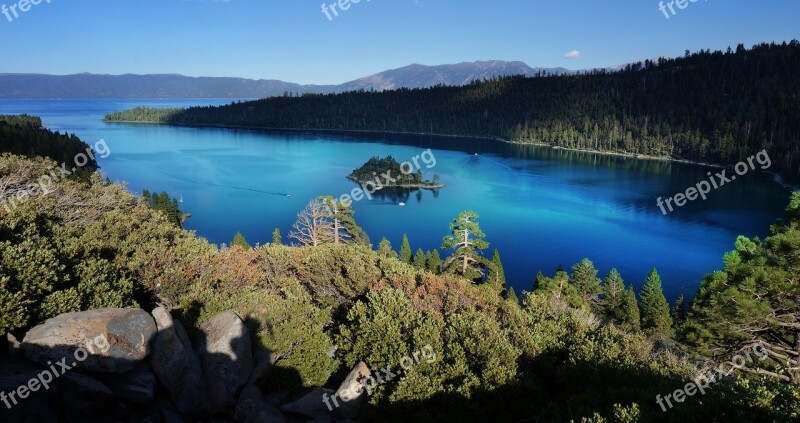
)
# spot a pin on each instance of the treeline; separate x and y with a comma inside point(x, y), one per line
point(708, 106)
point(24, 135)
point(169, 206)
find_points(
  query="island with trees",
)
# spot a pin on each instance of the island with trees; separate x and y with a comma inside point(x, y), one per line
point(388, 173)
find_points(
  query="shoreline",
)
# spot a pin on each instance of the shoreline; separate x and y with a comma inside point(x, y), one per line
point(407, 186)
point(777, 178)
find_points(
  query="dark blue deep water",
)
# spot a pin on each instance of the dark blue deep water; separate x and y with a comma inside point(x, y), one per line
point(540, 207)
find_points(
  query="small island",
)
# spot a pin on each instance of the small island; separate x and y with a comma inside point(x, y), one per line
point(388, 173)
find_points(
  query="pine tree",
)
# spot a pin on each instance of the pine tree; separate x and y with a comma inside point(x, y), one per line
point(343, 226)
point(538, 281)
point(679, 310)
point(239, 240)
point(385, 248)
point(584, 279)
point(613, 299)
point(405, 250)
point(755, 299)
point(511, 296)
point(277, 239)
point(419, 259)
point(654, 308)
point(434, 262)
point(498, 273)
point(466, 239)
point(630, 310)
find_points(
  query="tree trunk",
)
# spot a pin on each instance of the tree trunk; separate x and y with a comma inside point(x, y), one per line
point(466, 241)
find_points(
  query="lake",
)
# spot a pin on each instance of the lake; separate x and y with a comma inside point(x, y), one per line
point(540, 207)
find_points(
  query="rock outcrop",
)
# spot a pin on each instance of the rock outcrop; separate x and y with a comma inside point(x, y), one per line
point(109, 340)
point(126, 365)
point(177, 367)
point(225, 354)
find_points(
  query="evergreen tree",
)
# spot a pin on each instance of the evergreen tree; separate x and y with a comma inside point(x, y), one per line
point(679, 310)
point(433, 262)
point(466, 240)
point(538, 281)
point(164, 204)
point(613, 300)
point(498, 274)
point(343, 226)
point(630, 310)
point(239, 240)
point(419, 259)
point(584, 279)
point(755, 300)
point(654, 308)
point(277, 239)
point(385, 248)
point(405, 250)
point(511, 296)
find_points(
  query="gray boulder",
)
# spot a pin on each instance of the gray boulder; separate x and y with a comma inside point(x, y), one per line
point(109, 340)
point(225, 353)
point(176, 365)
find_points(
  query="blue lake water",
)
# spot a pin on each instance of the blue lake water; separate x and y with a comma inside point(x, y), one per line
point(540, 207)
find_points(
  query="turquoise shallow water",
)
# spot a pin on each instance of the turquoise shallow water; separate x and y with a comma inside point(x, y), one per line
point(540, 207)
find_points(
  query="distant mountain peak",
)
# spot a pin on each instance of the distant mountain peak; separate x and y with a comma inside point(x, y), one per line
point(170, 85)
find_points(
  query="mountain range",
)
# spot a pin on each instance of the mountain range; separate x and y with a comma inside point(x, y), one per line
point(88, 86)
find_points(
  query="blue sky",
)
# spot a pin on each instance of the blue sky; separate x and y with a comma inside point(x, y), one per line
point(293, 40)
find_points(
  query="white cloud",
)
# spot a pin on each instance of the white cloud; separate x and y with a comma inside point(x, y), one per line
point(574, 54)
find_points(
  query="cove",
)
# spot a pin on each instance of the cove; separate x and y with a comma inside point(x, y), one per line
point(541, 207)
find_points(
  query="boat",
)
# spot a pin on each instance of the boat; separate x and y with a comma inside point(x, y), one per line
point(402, 204)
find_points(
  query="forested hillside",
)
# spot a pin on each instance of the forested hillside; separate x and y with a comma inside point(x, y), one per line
point(708, 106)
point(577, 347)
point(23, 135)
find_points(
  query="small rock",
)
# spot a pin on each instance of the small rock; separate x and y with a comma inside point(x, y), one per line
point(225, 354)
point(352, 391)
point(109, 340)
point(13, 345)
point(176, 365)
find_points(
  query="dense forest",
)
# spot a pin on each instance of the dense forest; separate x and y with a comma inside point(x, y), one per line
point(23, 135)
point(718, 107)
point(577, 347)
